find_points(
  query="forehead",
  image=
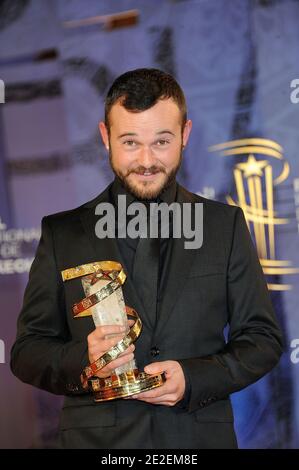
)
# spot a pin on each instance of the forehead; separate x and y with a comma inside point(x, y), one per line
point(165, 113)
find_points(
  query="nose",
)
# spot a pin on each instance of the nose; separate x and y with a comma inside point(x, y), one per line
point(146, 157)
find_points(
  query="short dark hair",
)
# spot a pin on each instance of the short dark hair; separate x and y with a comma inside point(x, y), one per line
point(140, 89)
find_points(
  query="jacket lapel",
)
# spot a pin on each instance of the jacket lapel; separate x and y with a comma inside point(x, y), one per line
point(107, 249)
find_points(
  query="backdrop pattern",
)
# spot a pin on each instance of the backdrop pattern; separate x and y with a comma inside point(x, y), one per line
point(235, 59)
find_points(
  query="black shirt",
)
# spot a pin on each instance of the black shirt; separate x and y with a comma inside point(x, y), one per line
point(127, 246)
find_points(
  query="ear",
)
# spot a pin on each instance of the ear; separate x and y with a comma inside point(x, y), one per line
point(186, 132)
point(104, 134)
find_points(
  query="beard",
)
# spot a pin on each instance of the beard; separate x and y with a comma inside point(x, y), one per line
point(143, 190)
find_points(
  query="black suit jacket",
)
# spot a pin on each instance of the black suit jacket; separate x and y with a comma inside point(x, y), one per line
point(207, 288)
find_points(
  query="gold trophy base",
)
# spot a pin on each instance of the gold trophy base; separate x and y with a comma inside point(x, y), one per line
point(124, 385)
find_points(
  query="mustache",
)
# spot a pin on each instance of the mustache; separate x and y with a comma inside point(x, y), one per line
point(140, 170)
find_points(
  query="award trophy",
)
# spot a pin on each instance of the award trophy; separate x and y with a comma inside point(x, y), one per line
point(104, 300)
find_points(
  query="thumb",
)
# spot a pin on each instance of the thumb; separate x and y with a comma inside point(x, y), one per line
point(154, 368)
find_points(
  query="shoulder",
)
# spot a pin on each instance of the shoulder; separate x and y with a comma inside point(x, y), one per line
point(220, 221)
point(212, 208)
point(71, 215)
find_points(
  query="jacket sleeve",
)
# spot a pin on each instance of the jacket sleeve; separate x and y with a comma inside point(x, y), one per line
point(43, 354)
point(254, 343)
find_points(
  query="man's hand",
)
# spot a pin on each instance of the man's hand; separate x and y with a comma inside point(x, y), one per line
point(172, 391)
point(101, 340)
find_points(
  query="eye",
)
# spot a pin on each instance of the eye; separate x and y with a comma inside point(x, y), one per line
point(129, 143)
point(162, 142)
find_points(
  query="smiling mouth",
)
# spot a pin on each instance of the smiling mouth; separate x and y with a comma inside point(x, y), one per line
point(147, 175)
point(146, 171)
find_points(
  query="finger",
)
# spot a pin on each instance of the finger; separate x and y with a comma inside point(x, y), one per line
point(164, 398)
point(96, 351)
point(99, 335)
point(153, 394)
point(170, 401)
point(108, 343)
point(129, 350)
point(129, 326)
point(106, 330)
point(112, 342)
point(118, 362)
point(109, 369)
point(97, 348)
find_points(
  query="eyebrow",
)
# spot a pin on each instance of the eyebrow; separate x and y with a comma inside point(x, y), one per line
point(128, 134)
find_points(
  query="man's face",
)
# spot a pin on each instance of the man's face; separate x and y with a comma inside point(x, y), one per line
point(145, 148)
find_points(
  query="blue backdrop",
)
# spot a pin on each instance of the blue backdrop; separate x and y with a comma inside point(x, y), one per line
point(235, 59)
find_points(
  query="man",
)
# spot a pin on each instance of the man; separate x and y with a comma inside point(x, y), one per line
point(197, 293)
